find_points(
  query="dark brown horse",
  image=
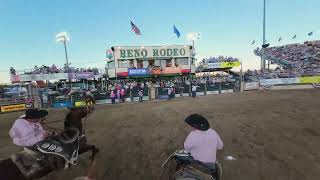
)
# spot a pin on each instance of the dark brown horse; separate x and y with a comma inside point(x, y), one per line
point(9, 170)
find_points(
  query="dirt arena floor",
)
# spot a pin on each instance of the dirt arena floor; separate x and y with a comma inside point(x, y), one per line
point(273, 134)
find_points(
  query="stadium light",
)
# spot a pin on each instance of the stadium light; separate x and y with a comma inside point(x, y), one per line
point(63, 37)
point(263, 60)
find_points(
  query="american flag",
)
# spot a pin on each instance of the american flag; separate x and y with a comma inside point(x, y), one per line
point(135, 29)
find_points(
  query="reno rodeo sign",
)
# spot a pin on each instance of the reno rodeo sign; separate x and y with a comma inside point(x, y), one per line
point(137, 52)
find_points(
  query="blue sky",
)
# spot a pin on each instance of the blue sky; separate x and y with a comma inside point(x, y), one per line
point(227, 27)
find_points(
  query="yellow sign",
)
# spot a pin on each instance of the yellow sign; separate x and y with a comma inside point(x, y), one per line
point(230, 64)
point(309, 79)
point(80, 104)
point(16, 107)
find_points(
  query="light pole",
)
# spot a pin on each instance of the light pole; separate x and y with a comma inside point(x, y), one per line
point(64, 38)
point(263, 61)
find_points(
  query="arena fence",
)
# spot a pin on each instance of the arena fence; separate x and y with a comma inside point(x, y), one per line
point(16, 104)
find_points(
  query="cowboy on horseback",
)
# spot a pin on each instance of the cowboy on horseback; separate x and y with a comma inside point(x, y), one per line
point(202, 142)
point(27, 130)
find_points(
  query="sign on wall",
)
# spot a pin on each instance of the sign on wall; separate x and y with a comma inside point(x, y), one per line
point(138, 72)
point(136, 52)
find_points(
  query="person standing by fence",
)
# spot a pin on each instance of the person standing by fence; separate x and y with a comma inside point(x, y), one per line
point(118, 95)
point(181, 89)
point(194, 90)
point(140, 95)
point(113, 97)
point(122, 94)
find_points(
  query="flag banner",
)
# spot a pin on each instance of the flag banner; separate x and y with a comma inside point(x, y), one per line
point(135, 29)
point(175, 30)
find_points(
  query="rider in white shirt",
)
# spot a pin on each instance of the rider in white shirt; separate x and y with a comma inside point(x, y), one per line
point(202, 142)
point(27, 130)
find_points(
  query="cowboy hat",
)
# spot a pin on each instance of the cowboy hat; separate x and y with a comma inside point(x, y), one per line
point(198, 122)
point(35, 113)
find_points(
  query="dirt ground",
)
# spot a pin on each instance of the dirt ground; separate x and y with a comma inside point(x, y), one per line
point(273, 134)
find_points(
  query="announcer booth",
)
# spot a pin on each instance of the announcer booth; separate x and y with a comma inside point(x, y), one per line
point(150, 61)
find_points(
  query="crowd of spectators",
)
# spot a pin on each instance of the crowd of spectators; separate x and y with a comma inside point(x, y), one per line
point(54, 69)
point(220, 59)
point(296, 59)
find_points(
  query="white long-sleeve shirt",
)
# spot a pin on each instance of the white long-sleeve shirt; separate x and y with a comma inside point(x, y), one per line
point(25, 133)
point(203, 145)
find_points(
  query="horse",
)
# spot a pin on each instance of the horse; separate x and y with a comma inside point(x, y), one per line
point(10, 171)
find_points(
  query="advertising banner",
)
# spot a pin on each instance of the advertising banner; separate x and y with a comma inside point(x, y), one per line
point(62, 104)
point(138, 72)
point(230, 64)
point(83, 75)
point(43, 77)
point(80, 104)
point(310, 79)
point(171, 70)
point(214, 65)
point(15, 107)
point(279, 81)
point(166, 70)
point(251, 86)
point(218, 65)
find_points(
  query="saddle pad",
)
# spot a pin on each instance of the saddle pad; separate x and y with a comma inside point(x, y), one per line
point(67, 151)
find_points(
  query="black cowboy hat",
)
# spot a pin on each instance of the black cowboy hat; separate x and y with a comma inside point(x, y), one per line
point(35, 113)
point(198, 122)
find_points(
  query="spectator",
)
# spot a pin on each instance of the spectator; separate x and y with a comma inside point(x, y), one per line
point(140, 95)
point(194, 90)
point(122, 94)
point(113, 97)
point(12, 71)
point(118, 95)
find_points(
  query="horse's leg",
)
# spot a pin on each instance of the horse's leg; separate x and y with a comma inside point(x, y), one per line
point(87, 147)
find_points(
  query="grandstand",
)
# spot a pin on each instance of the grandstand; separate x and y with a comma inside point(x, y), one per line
point(294, 59)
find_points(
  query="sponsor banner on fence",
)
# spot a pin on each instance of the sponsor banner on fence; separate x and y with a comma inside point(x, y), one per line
point(80, 104)
point(15, 107)
point(230, 64)
point(251, 85)
point(84, 75)
point(309, 79)
point(43, 77)
point(138, 72)
point(297, 80)
point(214, 65)
point(268, 82)
point(223, 65)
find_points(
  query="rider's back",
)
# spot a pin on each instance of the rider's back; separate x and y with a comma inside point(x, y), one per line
point(24, 133)
point(203, 145)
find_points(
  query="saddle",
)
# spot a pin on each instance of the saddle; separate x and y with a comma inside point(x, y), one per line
point(188, 167)
point(33, 160)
